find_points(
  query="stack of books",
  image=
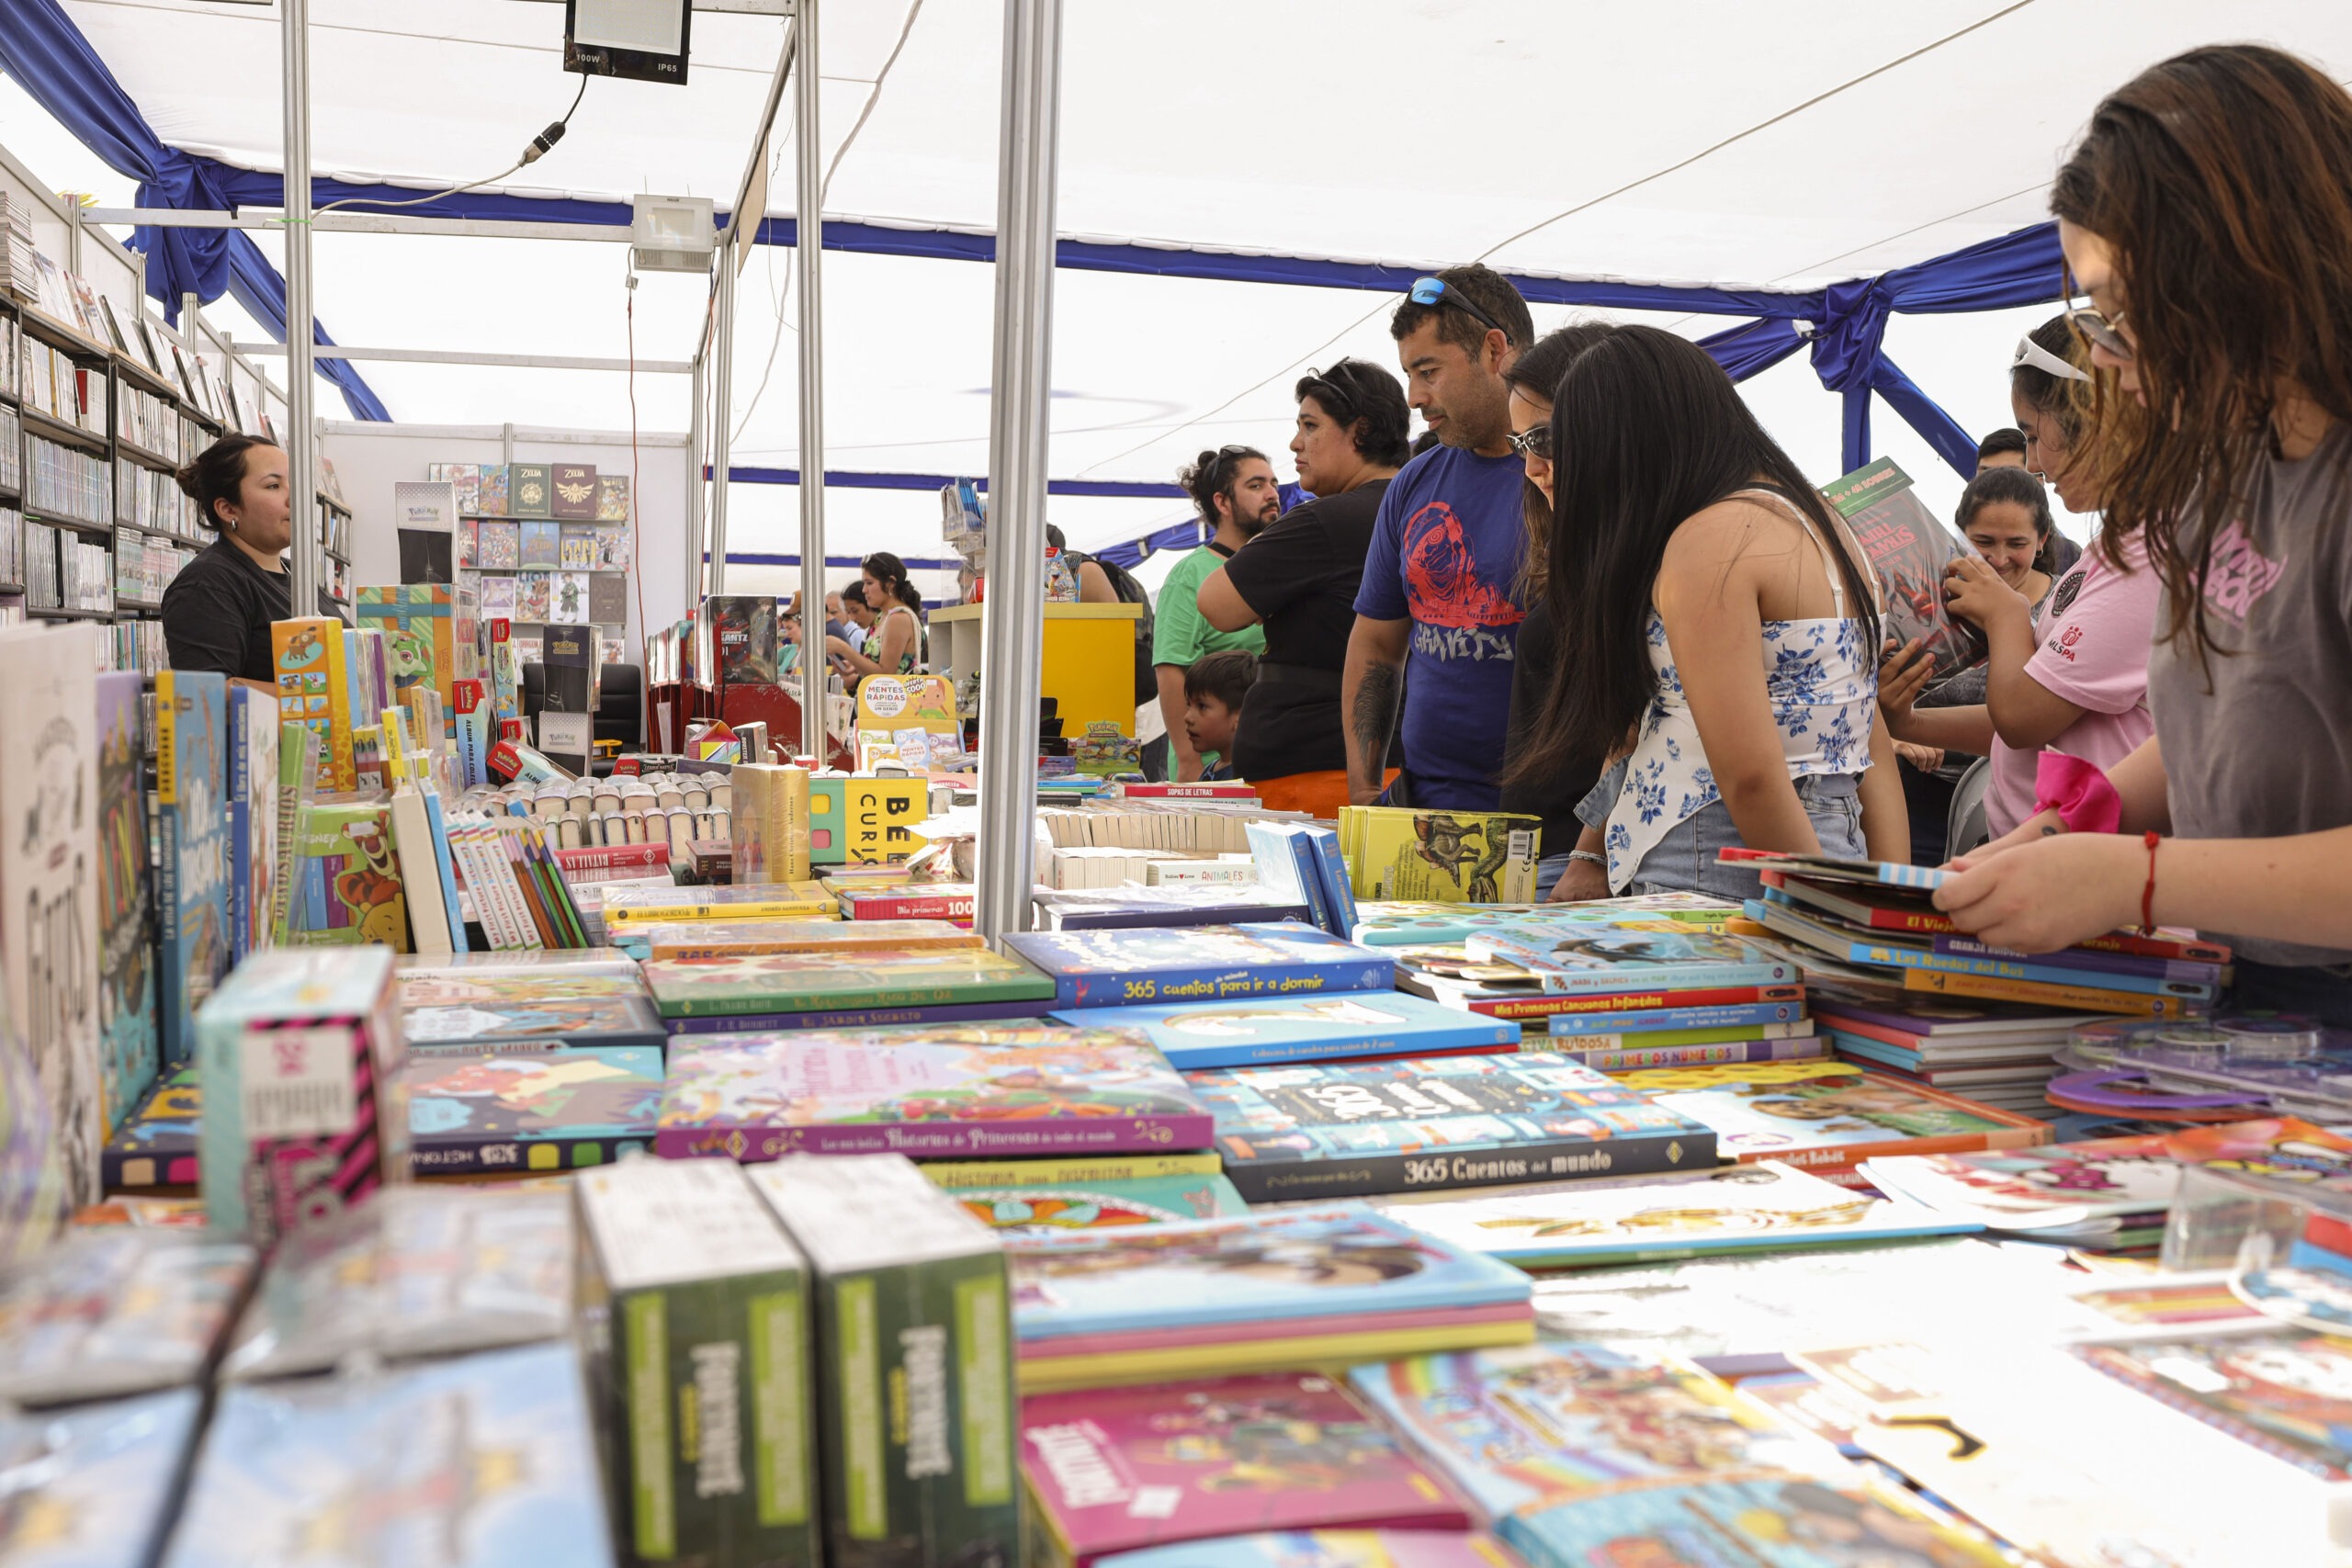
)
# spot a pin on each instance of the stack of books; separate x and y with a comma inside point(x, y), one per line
point(2001, 1054)
point(820, 989)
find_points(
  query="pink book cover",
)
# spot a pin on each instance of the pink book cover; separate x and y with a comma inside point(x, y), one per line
point(1114, 1469)
point(1287, 1328)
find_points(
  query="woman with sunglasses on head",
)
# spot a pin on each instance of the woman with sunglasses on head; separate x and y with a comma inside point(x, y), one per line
point(2207, 216)
point(1717, 630)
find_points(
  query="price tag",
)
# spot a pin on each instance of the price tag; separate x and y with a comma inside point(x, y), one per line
point(298, 1083)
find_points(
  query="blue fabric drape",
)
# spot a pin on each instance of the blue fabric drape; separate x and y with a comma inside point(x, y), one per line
point(47, 55)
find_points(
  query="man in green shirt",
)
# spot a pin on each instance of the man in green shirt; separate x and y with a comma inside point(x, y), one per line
point(1235, 493)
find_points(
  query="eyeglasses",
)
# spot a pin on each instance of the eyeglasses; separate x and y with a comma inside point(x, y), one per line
point(2030, 352)
point(2100, 330)
point(1535, 441)
point(1435, 291)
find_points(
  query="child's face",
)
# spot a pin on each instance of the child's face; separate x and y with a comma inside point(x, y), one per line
point(1209, 723)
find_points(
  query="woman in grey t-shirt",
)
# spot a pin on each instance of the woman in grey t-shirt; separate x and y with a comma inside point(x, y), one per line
point(2206, 216)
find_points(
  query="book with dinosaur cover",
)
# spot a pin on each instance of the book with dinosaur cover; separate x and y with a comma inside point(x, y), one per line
point(917, 1417)
point(697, 1319)
point(945, 1091)
point(94, 1485)
point(1108, 968)
point(346, 887)
point(314, 690)
point(1299, 1029)
point(155, 1145)
point(1115, 1471)
point(1441, 857)
point(532, 1110)
point(419, 626)
point(255, 732)
point(192, 850)
point(125, 898)
point(811, 982)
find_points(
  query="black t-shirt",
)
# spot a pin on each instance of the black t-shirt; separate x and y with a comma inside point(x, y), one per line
point(1301, 577)
point(217, 614)
point(1530, 687)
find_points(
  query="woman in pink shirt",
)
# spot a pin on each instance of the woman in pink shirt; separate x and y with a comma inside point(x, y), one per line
point(2077, 682)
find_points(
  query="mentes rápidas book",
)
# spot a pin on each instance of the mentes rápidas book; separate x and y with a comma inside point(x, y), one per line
point(1115, 1471)
point(755, 986)
point(1112, 968)
point(532, 1110)
point(1051, 1197)
point(1310, 1028)
point(1354, 1128)
point(942, 1091)
point(192, 818)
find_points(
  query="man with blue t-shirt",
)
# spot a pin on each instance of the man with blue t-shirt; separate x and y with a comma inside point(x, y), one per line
point(1438, 615)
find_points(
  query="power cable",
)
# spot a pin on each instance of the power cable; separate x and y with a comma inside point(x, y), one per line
point(540, 145)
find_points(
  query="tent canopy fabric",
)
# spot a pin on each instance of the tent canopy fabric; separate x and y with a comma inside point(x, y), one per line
point(1812, 152)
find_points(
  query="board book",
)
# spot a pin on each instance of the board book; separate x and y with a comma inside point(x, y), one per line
point(531, 1110)
point(1106, 968)
point(1351, 1129)
point(808, 982)
point(1313, 1028)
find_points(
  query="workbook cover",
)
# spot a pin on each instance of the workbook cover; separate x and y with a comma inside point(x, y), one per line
point(758, 1096)
point(1114, 1469)
point(1312, 1028)
point(531, 1110)
point(155, 1145)
point(807, 982)
point(125, 898)
point(192, 848)
point(1351, 1129)
point(1595, 959)
point(93, 1486)
point(1199, 964)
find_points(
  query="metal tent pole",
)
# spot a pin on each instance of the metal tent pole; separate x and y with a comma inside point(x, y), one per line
point(696, 434)
point(302, 565)
point(1014, 623)
point(722, 414)
point(810, 198)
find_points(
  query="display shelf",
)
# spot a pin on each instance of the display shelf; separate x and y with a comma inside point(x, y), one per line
point(58, 335)
point(146, 607)
point(143, 458)
point(193, 542)
point(146, 379)
point(53, 612)
point(80, 526)
point(50, 428)
point(9, 400)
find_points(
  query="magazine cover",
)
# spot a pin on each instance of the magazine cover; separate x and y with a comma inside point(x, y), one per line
point(124, 893)
point(1600, 959)
point(1349, 1129)
point(1113, 1470)
point(1329, 1260)
point(1199, 964)
point(192, 848)
point(800, 982)
point(602, 1022)
point(1909, 549)
point(155, 1145)
point(1768, 1522)
point(550, 1110)
point(1284, 1029)
point(1442, 857)
point(1084, 1090)
point(93, 1487)
point(473, 1462)
point(1325, 1549)
point(1760, 1207)
point(1051, 1208)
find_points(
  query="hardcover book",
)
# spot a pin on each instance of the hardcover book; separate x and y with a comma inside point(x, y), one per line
point(913, 1362)
point(192, 848)
point(1349, 1129)
point(530, 494)
point(345, 889)
point(576, 551)
point(1115, 1471)
point(612, 503)
point(723, 938)
point(1300, 1028)
point(532, 600)
point(419, 630)
point(1909, 549)
point(2281, 1392)
point(568, 599)
point(572, 487)
point(155, 1145)
point(1599, 959)
point(1106, 968)
point(314, 690)
point(531, 1110)
point(466, 1028)
point(542, 546)
point(608, 599)
point(945, 1091)
point(1023, 1205)
point(492, 490)
point(499, 548)
point(125, 898)
point(255, 731)
point(792, 982)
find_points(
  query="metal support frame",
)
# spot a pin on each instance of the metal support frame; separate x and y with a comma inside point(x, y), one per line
point(456, 356)
point(1013, 648)
point(809, 189)
point(695, 490)
point(302, 459)
point(260, 218)
point(723, 387)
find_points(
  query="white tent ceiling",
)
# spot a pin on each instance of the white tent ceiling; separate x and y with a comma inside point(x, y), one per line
point(1783, 142)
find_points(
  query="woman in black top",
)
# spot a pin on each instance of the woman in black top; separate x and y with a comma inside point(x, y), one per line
point(218, 610)
point(1299, 578)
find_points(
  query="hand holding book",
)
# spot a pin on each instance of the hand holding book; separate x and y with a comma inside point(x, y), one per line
point(1974, 592)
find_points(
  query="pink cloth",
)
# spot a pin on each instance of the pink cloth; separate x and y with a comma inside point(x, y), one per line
point(2082, 795)
point(2093, 653)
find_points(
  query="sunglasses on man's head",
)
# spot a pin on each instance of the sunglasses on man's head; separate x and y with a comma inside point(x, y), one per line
point(1436, 291)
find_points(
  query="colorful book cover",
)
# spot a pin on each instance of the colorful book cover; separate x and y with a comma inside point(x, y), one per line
point(1324, 1549)
point(1117, 1470)
point(1524, 1425)
point(1399, 924)
point(581, 1022)
point(467, 542)
point(567, 598)
point(347, 880)
point(254, 733)
point(1599, 959)
point(1301, 1029)
point(2283, 1392)
point(467, 476)
point(529, 494)
point(1909, 550)
point(314, 690)
point(939, 1092)
point(465, 1463)
point(125, 896)
point(1441, 857)
point(572, 490)
point(192, 849)
point(533, 600)
point(718, 938)
point(542, 546)
point(743, 638)
point(643, 904)
point(113, 1312)
point(1917, 957)
point(491, 491)
point(499, 546)
point(1044, 1207)
point(155, 1145)
point(417, 621)
point(93, 1487)
point(1349, 1128)
point(531, 1110)
point(1324, 1261)
point(612, 503)
point(577, 549)
point(803, 982)
point(1108, 968)
point(1766, 1522)
point(698, 1030)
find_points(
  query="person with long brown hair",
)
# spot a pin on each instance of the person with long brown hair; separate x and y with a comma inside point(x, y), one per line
point(2207, 214)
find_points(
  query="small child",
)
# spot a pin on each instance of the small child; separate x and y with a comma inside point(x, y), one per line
point(1213, 690)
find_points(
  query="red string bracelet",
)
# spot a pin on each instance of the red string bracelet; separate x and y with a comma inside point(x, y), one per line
point(2148, 893)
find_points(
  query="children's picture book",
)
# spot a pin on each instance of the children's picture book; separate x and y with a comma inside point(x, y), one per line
point(567, 598)
point(518, 1020)
point(314, 690)
point(499, 546)
point(1766, 1522)
point(1909, 550)
point(542, 546)
point(155, 1145)
point(806, 982)
point(943, 1092)
point(192, 848)
point(416, 619)
point(94, 1485)
point(1441, 857)
point(1117, 1470)
point(1766, 1206)
point(1602, 959)
point(346, 889)
point(1199, 964)
point(1325, 1549)
point(608, 601)
point(1020, 1206)
point(125, 898)
point(1300, 1028)
point(254, 732)
point(533, 1110)
point(1352, 1129)
point(466, 1463)
point(612, 503)
point(492, 490)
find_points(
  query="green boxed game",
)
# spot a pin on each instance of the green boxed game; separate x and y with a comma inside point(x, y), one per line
point(914, 1359)
point(694, 1310)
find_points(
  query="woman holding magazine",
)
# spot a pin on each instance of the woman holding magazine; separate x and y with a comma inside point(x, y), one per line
point(2206, 216)
point(1716, 629)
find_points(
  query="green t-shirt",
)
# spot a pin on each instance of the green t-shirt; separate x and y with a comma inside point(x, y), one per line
point(1179, 635)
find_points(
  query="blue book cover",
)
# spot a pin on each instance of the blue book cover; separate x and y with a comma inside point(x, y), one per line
point(532, 1110)
point(1429, 1124)
point(1337, 887)
point(254, 733)
point(476, 1461)
point(1644, 1021)
point(1592, 959)
point(93, 1486)
point(447, 868)
point(1110, 968)
point(131, 1053)
point(191, 789)
point(1274, 849)
point(1300, 1028)
point(1328, 1261)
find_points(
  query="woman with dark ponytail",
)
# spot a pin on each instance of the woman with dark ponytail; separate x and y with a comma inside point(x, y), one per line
point(217, 611)
point(895, 645)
